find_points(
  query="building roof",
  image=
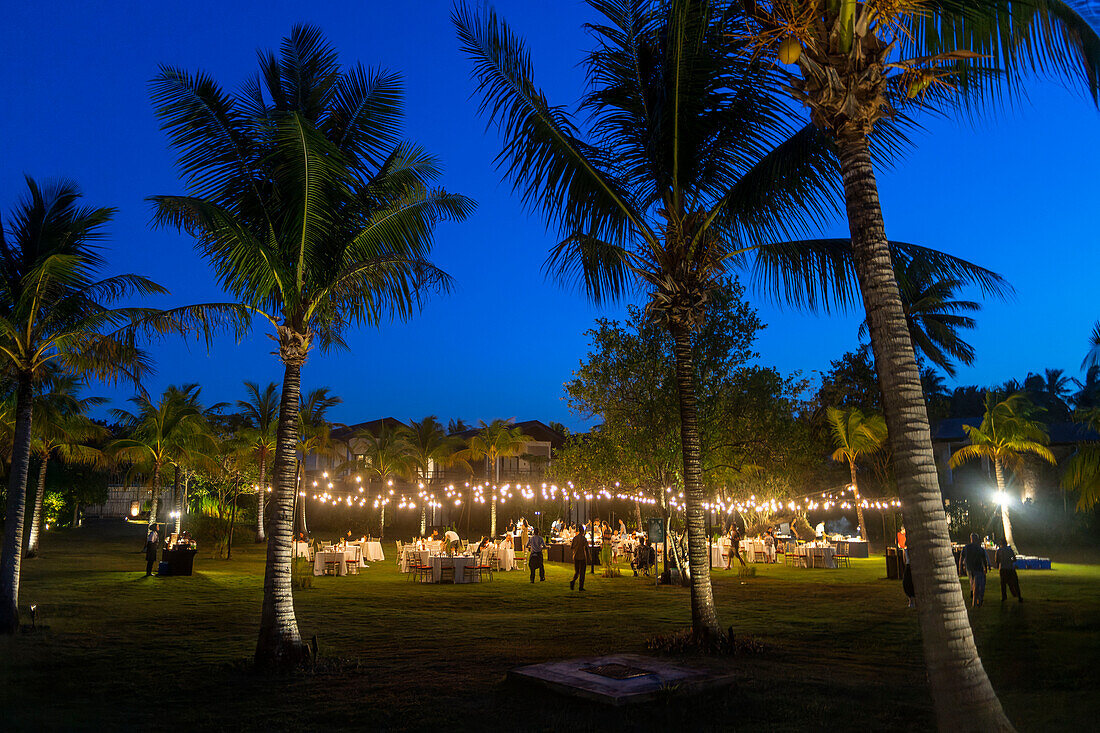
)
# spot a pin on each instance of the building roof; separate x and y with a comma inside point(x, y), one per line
point(1062, 433)
point(537, 429)
point(371, 426)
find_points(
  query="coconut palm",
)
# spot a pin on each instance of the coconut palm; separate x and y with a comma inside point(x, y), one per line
point(383, 455)
point(1092, 358)
point(314, 439)
point(492, 442)
point(159, 434)
point(316, 217)
point(61, 429)
point(688, 169)
point(261, 410)
point(1009, 432)
point(856, 436)
point(429, 447)
point(858, 65)
point(55, 309)
point(1082, 470)
point(932, 314)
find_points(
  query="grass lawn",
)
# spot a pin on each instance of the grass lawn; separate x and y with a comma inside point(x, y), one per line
point(842, 651)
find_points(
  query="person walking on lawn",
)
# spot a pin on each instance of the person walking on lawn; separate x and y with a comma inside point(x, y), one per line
point(535, 546)
point(580, 559)
point(1006, 564)
point(152, 541)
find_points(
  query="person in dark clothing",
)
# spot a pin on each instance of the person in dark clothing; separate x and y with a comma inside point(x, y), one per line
point(907, 586)
point(579, 546)
point(735, 547)
point(1006, 564)
point(973, 555)
point(152, 542)
point(535, 546)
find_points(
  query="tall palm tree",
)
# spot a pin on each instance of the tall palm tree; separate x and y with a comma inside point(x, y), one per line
point(856, 436)
point(688, 169)
point(54, 308)
point(314, 438)
point(316, 217)
point(494, 441)
point(61, 428)
point(158, 434)
point(385, 454)
point(261, 409)
point(1092, 358)
point(856, 66)
point(1009, 431)
point(933, 316)
point(429, 447)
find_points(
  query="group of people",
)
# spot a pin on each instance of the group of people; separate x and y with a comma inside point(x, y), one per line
point(976, 561)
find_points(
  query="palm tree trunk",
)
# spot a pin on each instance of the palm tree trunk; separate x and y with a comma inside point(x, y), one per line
point(859, 502)
point(423, 518)
point(493, 474)
point(36, 518)
point(704, 616)
point(232, 519)
point(961, 692)
point(12, 553)
point(260, 501)
point(279, 644)
point(1006, 524)
point(155, 505)
point(177, 494)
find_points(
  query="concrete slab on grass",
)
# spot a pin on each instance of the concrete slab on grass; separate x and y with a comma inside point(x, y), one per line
point(619, 679)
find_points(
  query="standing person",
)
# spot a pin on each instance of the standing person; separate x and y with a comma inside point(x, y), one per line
point(534, 555)
point(605, 549)
point(524, 530)
point(1006, 564)
point(579, 546)
point(735, 547)
point(901, 538)
point(152, 542)
point(973, 555)
point(769, 545)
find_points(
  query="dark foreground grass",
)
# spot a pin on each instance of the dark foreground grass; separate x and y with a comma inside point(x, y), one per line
point(842, 652)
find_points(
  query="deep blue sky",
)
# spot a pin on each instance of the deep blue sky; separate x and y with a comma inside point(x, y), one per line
point(1017, 193)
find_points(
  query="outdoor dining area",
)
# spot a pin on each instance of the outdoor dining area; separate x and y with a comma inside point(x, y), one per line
point(431, 561)
point(821, 553)
point(340, 558)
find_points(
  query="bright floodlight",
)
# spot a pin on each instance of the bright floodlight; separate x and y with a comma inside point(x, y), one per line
point(1001, 498)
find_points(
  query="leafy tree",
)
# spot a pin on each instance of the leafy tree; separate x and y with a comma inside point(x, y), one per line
point(55, 308)
point(856, 66)
point(456, 425)
point(1008, 432)
point(384, 455)
point(61, 429)
point(494, 441)
point(314, 438)
point(856, 436)
point(850, 382)
point(261, 410)
point(1050, 390)
point(315, 216)
point(429, 446)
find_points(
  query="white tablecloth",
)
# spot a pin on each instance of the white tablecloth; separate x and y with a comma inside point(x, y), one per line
point(506, 559)
point(301, 549)
point(338, 556)
point(372, 551)
point(461, 562)
point(815, 557)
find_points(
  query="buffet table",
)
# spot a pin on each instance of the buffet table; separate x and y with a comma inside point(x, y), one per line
point(177, 561)
point(853, 548)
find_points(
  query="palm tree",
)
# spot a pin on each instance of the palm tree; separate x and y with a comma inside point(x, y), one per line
point(1008, 432)
point(158, 434)
point(429, 447)
point(1092, 358)
point(314, 439)
point(932, 315)
point(261, 409)
point(385, 454)
point(53, 309)
point(61, 428)
point(856, 435)
point(494, 441)
point(689, 170)
point(857, 65)
point(314, 216)
point(1082, 470)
